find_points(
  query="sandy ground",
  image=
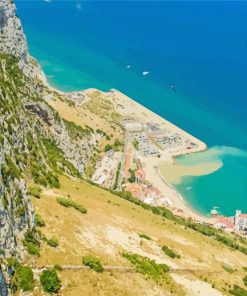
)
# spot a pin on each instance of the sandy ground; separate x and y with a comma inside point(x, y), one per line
point(174, 172)
point(128, 107)
point(196, 287)
point(153, 175)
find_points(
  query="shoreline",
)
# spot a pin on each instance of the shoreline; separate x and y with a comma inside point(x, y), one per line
point(151, 165)
point(178, 202)
point(197, 214)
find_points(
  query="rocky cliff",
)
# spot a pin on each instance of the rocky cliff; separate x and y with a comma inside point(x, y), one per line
point(35, 143)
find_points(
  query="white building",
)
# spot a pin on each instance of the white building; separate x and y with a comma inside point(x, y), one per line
point(240, 221)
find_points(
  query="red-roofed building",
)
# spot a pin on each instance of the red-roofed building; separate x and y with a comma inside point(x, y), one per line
point(224, 222)
point(140, 175)
point(134, 189)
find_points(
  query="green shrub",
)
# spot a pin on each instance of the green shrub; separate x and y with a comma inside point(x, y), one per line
point(23, 278)
point(93, 262)
point(169, 252)
point(31, 249)
point(50, 281)
point(227, 268)
point(245, 268)
point(108, 147)
point(26, 279)
point(245, 280)
point(117, 176)
point(142, 235)
point(147, 266)
point(53, 242)
point(238, 291)
point(39, 220)
point(132, 177)
point(32, 242)
point(68, 203)
point(58, 267)
point(35, 191)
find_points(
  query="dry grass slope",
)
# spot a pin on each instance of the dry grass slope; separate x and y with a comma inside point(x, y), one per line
point(111, 226)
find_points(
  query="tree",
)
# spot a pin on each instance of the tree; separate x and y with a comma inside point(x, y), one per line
point(108, 147)
point(50, 281)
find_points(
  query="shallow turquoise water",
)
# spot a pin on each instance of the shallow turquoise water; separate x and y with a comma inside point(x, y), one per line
point(90, 45)
point(225, 188)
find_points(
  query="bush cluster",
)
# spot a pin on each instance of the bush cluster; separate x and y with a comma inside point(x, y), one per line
point(93, 262)
point(53, 242)
point(32, 242)
point(68, 203)
point(39, 221)
point(147, 266)
point(50, 281)
point(22, 276)
point(117, 176)
point(35, 191)
point(238, 291)
point(169, 252)
point(142, 235)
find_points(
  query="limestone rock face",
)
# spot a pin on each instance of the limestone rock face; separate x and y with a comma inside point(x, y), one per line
point(31, 134)
point(13, 40)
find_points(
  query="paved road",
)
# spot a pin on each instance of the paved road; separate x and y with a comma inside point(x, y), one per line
point(38, 269)
point(120, 178)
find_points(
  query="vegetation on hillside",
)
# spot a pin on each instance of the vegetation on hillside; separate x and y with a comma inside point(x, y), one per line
point(169, 252)
point(93, 262)
point(22, 276)
point(32, 242)
point(50, 281)
point(147, 266)
point(68, 203)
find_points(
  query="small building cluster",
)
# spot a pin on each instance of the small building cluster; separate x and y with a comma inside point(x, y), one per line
point(236, 223)
point(104, 173)
point(147, 193)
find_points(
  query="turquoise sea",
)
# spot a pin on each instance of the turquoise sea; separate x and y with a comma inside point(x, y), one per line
point(200, 47)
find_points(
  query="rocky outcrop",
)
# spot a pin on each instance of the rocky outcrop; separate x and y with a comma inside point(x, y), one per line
point(31, 134)
point(3, 284)
point(27, 125)
point(13, 40)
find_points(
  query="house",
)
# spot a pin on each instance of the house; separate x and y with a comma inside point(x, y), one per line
point(134, 189)
point(224, 222)
point(140, 175)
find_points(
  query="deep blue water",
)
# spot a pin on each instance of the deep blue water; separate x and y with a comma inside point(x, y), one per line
point(200, 47)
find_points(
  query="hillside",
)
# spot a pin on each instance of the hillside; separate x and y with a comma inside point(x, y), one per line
point(112, 226)
point(59, 231)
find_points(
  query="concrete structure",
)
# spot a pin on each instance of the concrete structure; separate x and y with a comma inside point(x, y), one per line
point(224, 222)
point(140, 175)
point(240, 221)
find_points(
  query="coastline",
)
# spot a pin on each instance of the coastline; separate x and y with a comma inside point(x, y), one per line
point(151, 165)
point(190, 212)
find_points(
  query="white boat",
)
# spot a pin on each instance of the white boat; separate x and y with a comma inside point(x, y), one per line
point(188, 188)
point(145, 73)
point(128, 67)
